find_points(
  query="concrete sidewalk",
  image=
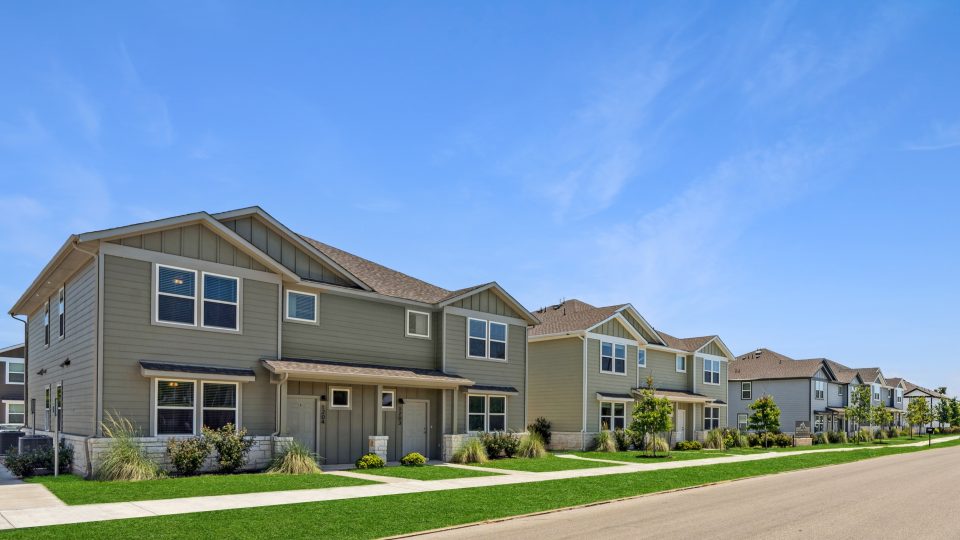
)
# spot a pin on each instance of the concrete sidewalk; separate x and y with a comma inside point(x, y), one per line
point(61, 514)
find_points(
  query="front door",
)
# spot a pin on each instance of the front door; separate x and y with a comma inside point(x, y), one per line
point(681, 425)
point(302, 420)
point(415, 427)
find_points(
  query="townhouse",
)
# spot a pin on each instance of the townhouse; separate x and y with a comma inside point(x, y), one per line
point(13, 412)
point(208, 319)
point(587, 363)
point(912, 391)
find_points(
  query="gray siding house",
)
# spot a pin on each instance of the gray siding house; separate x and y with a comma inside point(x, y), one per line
point(933, 398)
point(13, 411)
point(205, 319)
point(587, 363)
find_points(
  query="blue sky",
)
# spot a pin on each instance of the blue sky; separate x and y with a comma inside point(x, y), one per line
point(783, 176)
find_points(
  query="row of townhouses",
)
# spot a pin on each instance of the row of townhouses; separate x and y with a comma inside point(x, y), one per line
point(208, 319)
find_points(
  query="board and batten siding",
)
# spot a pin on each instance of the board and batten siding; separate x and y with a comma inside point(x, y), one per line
point(285, 252)
point(614, 329)
point(129, 336)
point(78, 345)
point(792, 396)
point(361, 331)
point(555, 388)
point(712, 348)
point(487, 372)
point(487, 302)
point(193, 241)
point(639, 327)
point(607, 383)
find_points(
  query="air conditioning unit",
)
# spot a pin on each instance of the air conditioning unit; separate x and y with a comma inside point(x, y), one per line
point(29, 443)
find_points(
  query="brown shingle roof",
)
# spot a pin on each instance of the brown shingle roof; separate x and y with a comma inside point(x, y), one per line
point(684, 344)
point(767, 364)
point(843, 373)
point(910, 387)
point(347, 371)
point(869, 374)
point(571, 316)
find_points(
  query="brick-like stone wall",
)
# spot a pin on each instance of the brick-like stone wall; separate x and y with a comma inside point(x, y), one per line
point(452, 443)
point(570, 440)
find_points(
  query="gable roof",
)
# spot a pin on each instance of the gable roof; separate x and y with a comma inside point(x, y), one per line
point(910, 387)
point(767, 364)
point(870, 375)
point(843, 373)
point(692, 344)
point(571, 316)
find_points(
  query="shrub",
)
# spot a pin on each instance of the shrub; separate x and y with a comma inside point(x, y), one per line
point(500, 443)
point(753, 439)
point(880, 434)
point(833, 437)
point(732, 438)
point(863, 435)
point(541, 426)
point(842, 437)
point(714, 440)
point(532, 446)
point(637, 439)
point(125, 459)
point(621, 439)
point(473, 451)
point(820, 438)
point(413, 459)
point(232, 446)
point(27, 464)
point(659, 444)
point(294, 459)
point(188, 455)
point(604, 442)
point(781, 439)
point(893, 432)
point(688, 445)
point(370, 461)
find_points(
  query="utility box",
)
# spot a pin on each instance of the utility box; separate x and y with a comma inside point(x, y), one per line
point(8, 440)
point(29, 443)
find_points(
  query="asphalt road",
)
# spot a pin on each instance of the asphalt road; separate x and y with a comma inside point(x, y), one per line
point(903, 496)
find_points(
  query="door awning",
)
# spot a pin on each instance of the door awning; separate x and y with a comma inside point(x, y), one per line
point(151, 368)
point(345, 372)
point(679, 396)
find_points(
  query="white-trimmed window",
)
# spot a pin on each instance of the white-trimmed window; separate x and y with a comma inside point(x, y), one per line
point(899, 396)
point(15, 373)
point(711, 418)
point(301, 306)
point(613, 358)
point(486, 339)
point(486, 413)
point(613, 415)
point(16, 412)
point(176, 403)
point(641, 358)
point(818, 423)
point(711, 371)
point(681, 363)
point(742, 421)
point(46, 407)
point(818, 389)
point(340, 398)
point(58, 405)
point(418, 324)
point(876, 392)
point(221, 302)
point(476, 338)
point(61, 313)
point(220, 404)
point(388, 400)
point(498, 341)
point(46, 324)
point(746, 390)
point(176, 295)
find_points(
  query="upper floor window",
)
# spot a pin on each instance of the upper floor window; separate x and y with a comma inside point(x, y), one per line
point(746, 390)
point(711, 371)
point(418, 324)
point(176, 295)
point(15, 373)
point(899, 396)
point(486, 339)
point(876, 392)
point(818, 389)
point(16, 412)
point(301, 306)
point(641, 358)
point(681, 363)
point(220, 302)
point(46, 324)
point(61, 313)
point(613, 358)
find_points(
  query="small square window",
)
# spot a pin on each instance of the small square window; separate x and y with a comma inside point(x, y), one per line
point(387, 400)
point(418, 324)
point(641, 358)
point(746, 390)
point(340, 398)
point(15, 373)
point(681, 363)
point(301, 306)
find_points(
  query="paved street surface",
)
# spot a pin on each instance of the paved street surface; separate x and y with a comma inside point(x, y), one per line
point(903, 496)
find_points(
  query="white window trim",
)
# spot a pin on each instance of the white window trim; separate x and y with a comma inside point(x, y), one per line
point(819, 390)
point(46, 324)
point(8, 403)
point(613, 415)
point(406, 328)
point(486, 411)
point(156, 296)
point(676, 361)
point(47, 402)
point(61, 313)
point(613, 359)
point(286, 307)
point(876, 391)
point(157, 407)
point(705, 409)
point(392, 407)
point(644, 353)
point(488, 340)
point(719, 371)
point(235, 408)
point(24, 372)
point(746, 421)
point(349, 392)
point(203, 300)
point(746, 387)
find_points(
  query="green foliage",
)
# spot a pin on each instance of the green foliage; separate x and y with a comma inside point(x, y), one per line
point(919, 413)
point(836, 437)
point(370, 461)
point(781, 439)
point(604, 442)
point(622, 440)
point(688, 445)
point(879, 434)
point(28, 463)
point(753, 439)
point(714, 440)
point(651, 415)
point(766, 416)
point(820, 438)
point(500, 443)
point(541, 426)
point(472, 451)
point(232, 446)
point(188, 455)
point(859, 410)
point(881, 416)
point(532, 446)
point(125, 459)
point(943, 412)
point(863, 435)
point(413, 459)
point(732, 438)
point(955, 412)
point(294, 459)
point(894, 432)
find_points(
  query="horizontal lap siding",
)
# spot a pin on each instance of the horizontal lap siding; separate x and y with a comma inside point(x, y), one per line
point(711, 390)
point(791, 395)
point(556, 383)
point(130, 337)
point(362, 331)
point(78, 345)
point(606, 382)
point(663, 367)
point(486, 372)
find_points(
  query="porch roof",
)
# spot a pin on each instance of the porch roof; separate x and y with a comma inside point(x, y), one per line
point(608, 396)
point(151, 368)
point(680, 396)
point(345, 372)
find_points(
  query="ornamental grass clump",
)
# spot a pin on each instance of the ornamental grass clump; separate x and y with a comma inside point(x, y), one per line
point(472, 451)
point(531, 446)
point(294, 459)
point(714, 440)
point(125, 459)
point(604, 442)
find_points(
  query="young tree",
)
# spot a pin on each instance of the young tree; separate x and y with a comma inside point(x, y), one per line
point(942, 390)
point(859, 409)
point(651, 415)
point(943, 411)
point(765, 417)
point(881, 416)
point(955, 412)
point(918, 413)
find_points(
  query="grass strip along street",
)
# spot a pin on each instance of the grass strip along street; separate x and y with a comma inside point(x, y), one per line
point(399, 514)
point(426, 472)
point(549, 462)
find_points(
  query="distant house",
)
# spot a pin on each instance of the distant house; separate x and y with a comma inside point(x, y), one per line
point(12, 409)
point(933, 398)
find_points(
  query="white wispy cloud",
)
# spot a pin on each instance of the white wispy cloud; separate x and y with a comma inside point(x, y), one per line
point(27, 130)
point(941, 137)
point(154, 114)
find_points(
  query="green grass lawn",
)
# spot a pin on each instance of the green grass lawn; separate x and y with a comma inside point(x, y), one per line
point(635, 456)
point(548, 463)
point(427, 472)
point(75, 490)
point(399, 514)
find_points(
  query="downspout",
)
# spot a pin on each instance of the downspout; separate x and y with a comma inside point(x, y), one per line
point(583, 429)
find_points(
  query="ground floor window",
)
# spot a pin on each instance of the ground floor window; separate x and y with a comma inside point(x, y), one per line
point(219, 404)
point(46, 408)
point(175, 407)
point(486, 413)
point(16, 412)
point(742, 421)
point(711, 418)
point(818, 423)
point(612, 415)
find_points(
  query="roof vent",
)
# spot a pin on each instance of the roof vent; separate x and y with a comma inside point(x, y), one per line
point(757, 353)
